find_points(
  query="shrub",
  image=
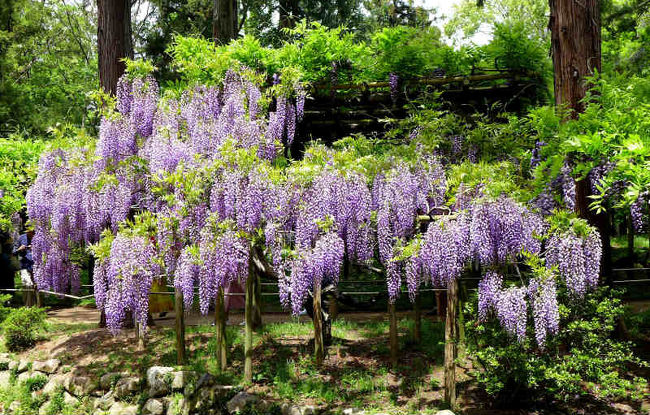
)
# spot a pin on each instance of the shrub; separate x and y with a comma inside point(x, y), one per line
point(21, 326)
point(582, 359)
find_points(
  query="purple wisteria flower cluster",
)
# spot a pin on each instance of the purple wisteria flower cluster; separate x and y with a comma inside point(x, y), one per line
point(577, 259)
point(123, 281)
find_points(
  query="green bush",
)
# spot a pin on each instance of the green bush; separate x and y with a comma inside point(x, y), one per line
point(582, 359)
point(21, 327)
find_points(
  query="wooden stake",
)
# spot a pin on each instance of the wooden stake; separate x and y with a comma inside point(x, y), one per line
point(220, 326)
point(394, 345)
point(180, 327)
point(319, 348)
point(248, 340)
point(450, 345)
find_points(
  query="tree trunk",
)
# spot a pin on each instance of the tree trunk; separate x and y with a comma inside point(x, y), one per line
point(392, 334)
point(576, 51)
point(220, 326)
point(113, 41)
point(180, 327)
point(319, 347)
point(575, 43)
point(225, 23)
point(450, 345)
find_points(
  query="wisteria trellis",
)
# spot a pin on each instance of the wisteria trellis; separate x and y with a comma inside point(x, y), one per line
point(201, 170)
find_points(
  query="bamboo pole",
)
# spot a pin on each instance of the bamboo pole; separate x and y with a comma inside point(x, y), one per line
point(257, 303)
point(220, 327)
point(394, 345)
point(319, 348)
point(180, 327)
point(248, 339)
point(424, 81)
point(450, 345)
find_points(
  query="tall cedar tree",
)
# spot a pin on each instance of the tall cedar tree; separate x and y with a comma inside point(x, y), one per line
point(576, 51)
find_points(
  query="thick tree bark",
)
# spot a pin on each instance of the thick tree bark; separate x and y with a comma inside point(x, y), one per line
point(225, 24)
point(576, 50)
point(113, 41)
point(575, 43)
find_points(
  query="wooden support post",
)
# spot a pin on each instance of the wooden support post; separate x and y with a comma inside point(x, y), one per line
point(180, 327)
point(417, 316)
point(450, 345)
point(319, 348)
point(220, 326)
point(394, 344)
point(248, 312)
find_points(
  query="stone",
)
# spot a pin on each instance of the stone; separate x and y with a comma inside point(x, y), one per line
point(14, 407)
point(206, 379)
point(107, 380)
point(445, 412)
point(5, 379)
point(23, 366)
point(126, 386)
point(5, 361)
point(55, 383)
point(66, 368)
point(122, 408)
point(44, 409)
point(47, 366)
point(181, 379)
point(13, 365)
point(80, 385)
point(25, 376)
point(153, 407)
point(70, 400)
point(105, 402)
point(239, 402)
point(288, 409)
point(159, 380)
